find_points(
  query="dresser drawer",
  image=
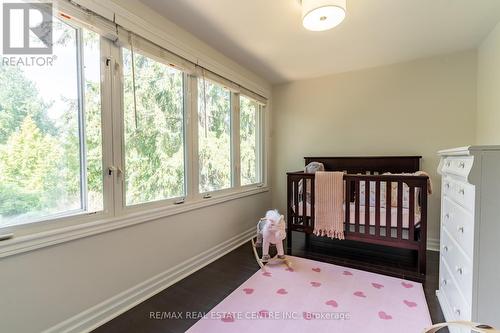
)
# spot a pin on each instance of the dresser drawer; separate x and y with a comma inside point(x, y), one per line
point(460, 192)
point(460, 225)
point(460, 266)
point(459, 166)
point(459, 308)
point(446, 309)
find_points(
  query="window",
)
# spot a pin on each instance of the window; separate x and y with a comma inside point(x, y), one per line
point(214, 136)
point(249, 141)
point(154, 129)
point(50, 132)
point(104, 130)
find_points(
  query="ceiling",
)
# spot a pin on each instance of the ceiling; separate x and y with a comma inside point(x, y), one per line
point(267, 36)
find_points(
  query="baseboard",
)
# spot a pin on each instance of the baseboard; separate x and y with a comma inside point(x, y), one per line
point(433, 244)
point(103, 312)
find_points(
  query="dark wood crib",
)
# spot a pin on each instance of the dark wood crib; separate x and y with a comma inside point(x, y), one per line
point(393, 217)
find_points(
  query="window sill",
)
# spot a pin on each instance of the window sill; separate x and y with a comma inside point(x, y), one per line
point(39, 240)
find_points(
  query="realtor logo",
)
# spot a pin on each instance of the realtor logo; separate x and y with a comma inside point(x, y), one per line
point(27, 28)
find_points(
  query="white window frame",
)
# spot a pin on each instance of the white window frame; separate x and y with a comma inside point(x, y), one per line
point(108, 73)
point(192, 159)
point(115, 215)
point(235, 141)
point(233, 163)
point(119, 127)
point(260, 145)
point(83, 215)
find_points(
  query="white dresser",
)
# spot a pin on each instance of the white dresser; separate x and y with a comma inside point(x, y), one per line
point(469, 270)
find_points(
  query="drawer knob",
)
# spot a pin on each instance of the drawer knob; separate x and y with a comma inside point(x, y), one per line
point(461, 191)
point(457, 311)
point(445, 248)
point(448, 164)
point(462, 165)
point(444, 282)
point(447, 216)
point(447, 185)
point(460, 270)
point(461, 229)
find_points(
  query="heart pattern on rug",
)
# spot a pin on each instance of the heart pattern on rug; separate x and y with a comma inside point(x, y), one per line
point(384, 316)
point(332, 303)
point(410, 304)
point(407, 285)
point(314, 288)
point(281, 291)
point(289, 269)
point(248, 291)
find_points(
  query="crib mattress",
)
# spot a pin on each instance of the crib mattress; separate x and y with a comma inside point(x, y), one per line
point(394, 215)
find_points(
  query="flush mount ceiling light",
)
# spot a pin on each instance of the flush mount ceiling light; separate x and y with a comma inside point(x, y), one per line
point(320, 15)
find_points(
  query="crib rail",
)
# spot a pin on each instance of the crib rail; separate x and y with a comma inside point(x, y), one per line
point(299, 220)
point(404, 232)
point(400, 235)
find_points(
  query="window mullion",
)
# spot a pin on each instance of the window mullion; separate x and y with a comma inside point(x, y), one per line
point(118, 129)
point(107, 125)
point(81, 120)
point(192, 152)
point(260, 144)
point(235, 140)
point(263, 145)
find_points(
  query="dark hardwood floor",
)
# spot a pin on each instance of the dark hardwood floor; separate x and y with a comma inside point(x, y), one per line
point(201, 291)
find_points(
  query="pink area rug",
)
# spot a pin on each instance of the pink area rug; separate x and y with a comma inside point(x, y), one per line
point(319, 297)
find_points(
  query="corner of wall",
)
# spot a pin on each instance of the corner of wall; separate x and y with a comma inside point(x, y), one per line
point(488, 85)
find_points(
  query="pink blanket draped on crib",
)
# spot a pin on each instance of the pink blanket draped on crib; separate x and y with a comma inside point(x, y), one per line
point(329, 194)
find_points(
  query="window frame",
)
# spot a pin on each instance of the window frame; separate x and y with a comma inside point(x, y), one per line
point(115, 214)
point(232, 116)
point(259, 143)
point(83, 214)
point(121, 201)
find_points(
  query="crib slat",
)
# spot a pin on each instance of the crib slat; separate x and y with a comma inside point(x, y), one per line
point(296, 200)
point(388, 208)
point(367, 207)
point(347, 205)
point(304, 201)
point(377, 208)
point(311, 205)
point(411, 209)
point(400, 210)
point(289, 208)
point(356, 206)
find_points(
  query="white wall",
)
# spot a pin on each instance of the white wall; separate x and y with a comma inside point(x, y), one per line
point(488, 89)
point(42, 288)
point(413, 108)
